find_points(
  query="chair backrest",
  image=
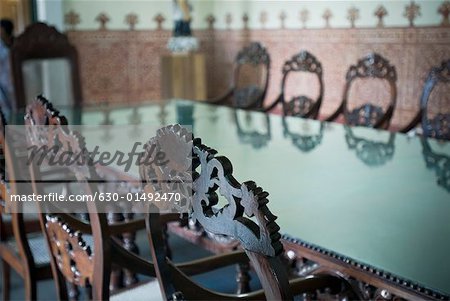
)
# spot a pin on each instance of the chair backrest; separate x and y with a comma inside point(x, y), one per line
point(301, 105)
point(251, 96)
point(40, 41)
point(72, 259)
point(438, 126)
point(371, 115)
point(245, 217)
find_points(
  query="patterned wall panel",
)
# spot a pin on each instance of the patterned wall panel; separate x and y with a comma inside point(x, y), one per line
point(124, 66)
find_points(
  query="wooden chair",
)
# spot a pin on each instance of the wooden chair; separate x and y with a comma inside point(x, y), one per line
point(22, 246)
point(439, 126)
point(370, 115)
point(251, 95)
point(246, 217)
point(40, 41)
point(300, 105)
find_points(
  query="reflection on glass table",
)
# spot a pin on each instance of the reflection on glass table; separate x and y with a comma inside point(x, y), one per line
point(304, 142)
point(372, 153)
point(247, 125)
point(439, 162)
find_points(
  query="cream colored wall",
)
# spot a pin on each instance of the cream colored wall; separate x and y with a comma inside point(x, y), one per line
point(147, 9)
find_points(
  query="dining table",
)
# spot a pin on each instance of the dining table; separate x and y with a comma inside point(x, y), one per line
point(370, 204)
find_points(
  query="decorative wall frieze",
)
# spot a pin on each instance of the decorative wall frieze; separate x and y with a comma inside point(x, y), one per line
point(380, 13)
point(283, 17)
point(131, 19)
point(352, 16)
point(228, 20)
point(327, 16)
point(304, 17)
point(412, 11)
point(159, 19)
point(405, 48)
point(72, 19)
point(444, 10)
point(102, 18)
point(210, 19)
point(263, 19)
point(245, 19)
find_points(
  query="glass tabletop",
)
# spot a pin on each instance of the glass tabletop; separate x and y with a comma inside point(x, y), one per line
point(377, 197)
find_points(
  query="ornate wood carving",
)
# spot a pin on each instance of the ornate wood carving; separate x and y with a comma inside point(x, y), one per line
point(371, 66)
point(251, 96)
point(302, 106)
point(417, 289)
point(370, 152)
point(73, 256)
point(245, 201)
point(439, 125)
point(40, 41)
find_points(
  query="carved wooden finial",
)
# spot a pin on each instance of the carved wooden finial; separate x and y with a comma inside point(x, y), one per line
point(444, 10)
point(283, 17)
point(327, 16)
point(245, 20)
point(412, 11)
point(352, 16)
point(380, 13)
point(263, 19)
point(131, 19)
point(304, 17)
point(210, 20)
point(228, 20)
point(72, 19)
point(159, 19)
point(102, 18)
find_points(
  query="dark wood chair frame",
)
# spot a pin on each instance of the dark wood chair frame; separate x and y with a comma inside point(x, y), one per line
point(258, 237)
point(255, 54)
point(41, 41)
point(371, 115)
point(300, 106)
point(21, 260)
point(78, 265)
point(439, 126)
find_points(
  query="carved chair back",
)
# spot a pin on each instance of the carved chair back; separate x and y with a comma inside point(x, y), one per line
point(438, 126)
point(245, 217)
point(72, 259)
point(301, 105)
point(41, 41)
point(251, 95)
point(371, 115)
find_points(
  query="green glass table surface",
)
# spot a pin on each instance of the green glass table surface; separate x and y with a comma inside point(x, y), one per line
point(377, 197)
